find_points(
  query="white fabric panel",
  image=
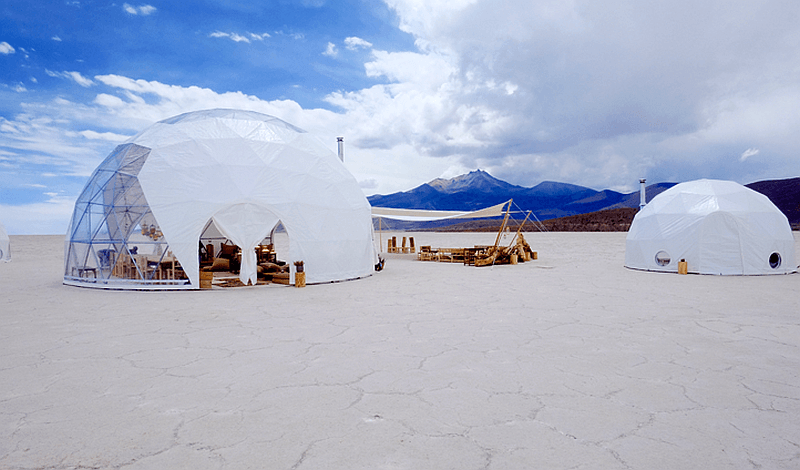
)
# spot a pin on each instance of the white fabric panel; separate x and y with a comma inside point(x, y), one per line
point(418, 215)
point(718, 227)
point(5, 245)
point(246, 225)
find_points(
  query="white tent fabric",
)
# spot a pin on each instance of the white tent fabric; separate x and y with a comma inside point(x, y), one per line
point(5, 245)
point(246, 171)
point(418, 215)
point(246, 225)
point(718, 227)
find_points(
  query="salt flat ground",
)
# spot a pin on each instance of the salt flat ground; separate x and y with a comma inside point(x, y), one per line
point(571, 361)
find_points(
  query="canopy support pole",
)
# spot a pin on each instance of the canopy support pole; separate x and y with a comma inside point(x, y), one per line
point(503, 226)
point(519, 229)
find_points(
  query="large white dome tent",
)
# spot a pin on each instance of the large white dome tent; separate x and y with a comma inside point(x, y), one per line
point(5, 245)
point(717, 227)
point(230, 172)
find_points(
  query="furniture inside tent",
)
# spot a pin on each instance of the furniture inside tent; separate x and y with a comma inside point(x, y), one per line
point(717, 227)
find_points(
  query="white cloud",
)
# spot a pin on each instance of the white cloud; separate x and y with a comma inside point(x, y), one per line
point(104, 136)
point(19, 87)
point(80, 79)
point(259, 37)
point(748, 153)
point(591, 94)
point(6, 48)
point(354, 43)
point(128, 108)
point(56, 38)
point(430, 71)
point(74, 76)
point(330, 50)
point(142, 10)
point(235, 37)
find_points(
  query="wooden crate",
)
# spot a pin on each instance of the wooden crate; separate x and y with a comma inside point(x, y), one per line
point(206, 277)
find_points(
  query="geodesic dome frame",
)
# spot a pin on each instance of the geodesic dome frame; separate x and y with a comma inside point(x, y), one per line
point(106, 215)
point(717, 227)
point(240, 172)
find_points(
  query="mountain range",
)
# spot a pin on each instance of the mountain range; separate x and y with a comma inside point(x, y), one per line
point(478, 189)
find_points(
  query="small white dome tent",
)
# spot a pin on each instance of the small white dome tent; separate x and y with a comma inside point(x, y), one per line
point(230, 172)
point(5, 245)
point(718, 227)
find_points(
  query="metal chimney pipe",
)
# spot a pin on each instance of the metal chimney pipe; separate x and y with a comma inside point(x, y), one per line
point(340, 140)
point(642, 196)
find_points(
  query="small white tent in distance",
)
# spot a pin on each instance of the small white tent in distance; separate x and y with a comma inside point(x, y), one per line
point(718, 227)
point(5, 245)
point(235, 174)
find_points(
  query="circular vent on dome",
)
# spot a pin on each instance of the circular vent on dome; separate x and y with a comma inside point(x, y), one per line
point(662, 258)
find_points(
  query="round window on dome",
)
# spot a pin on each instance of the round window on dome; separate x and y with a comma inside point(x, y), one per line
point(662, 258)
point(775, 260)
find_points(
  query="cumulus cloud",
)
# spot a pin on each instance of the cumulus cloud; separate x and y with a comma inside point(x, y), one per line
point(142, 10)
point(593, 94)
point(354, 43)
point(6, 48)
point(331, 50)
point(74, 76)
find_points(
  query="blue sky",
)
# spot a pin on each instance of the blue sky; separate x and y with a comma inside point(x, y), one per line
point(591, 93)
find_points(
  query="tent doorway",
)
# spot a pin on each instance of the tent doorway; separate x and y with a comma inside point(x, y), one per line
point(238, 244)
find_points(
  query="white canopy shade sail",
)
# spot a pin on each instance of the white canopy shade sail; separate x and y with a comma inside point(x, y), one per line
point(717, 227)
point(419, 215)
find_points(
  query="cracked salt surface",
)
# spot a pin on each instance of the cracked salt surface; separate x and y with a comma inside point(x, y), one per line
point(584, 364)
